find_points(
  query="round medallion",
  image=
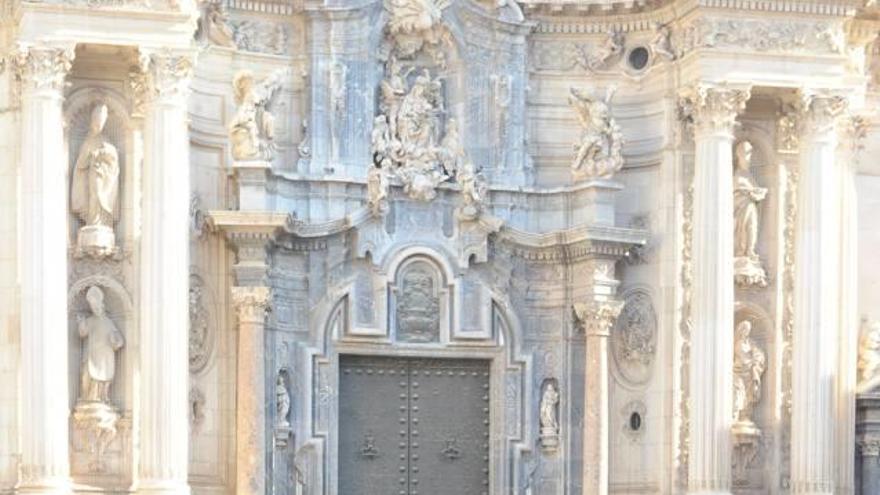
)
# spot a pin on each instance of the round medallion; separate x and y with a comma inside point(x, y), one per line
point(634, 338)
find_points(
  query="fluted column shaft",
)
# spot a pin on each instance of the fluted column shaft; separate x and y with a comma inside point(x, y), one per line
point(816, 300)
point(251, 304)
point(711, 363)
point(164, 306)
point(596, 319)
point(45, 465)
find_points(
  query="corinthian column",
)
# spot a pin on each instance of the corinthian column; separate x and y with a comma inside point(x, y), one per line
point(714, 111)
point(44, 439)
point(596, 319)
point(251, 304)
point(816, 299)
point(164, 312)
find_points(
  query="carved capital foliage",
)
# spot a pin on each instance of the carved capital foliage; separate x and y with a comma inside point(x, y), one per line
point(869, 447)
point(43, 67)
point(251, 303)
point(821, 111)
point(597, 317)
point(167, 75)
point(713, 108)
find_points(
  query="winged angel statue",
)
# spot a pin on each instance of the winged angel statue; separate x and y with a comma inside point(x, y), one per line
point(599, 149)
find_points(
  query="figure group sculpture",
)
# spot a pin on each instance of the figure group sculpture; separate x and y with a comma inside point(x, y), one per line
point(95, 188)
point(599, 151)
point(252, 130)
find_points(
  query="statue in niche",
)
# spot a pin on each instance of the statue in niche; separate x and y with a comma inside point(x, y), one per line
point(746, 196)
point(599, 150)
point(95, 188)
point(549, 410)
point(418, 306)
point(93, 413)
point(377, 190)
point(338, 74)
point(282, 411)
point(749, 364)
point(661, 46)
point(252, 130)
point(214, 24)
point(103, 339)
point(869, 352)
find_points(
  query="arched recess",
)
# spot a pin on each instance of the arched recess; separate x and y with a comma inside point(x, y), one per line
point(510, 386)
point(120, 132)
point(120, 309)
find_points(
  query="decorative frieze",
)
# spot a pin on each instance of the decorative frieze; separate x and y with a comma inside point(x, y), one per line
point(761, 36)
point(261, 36)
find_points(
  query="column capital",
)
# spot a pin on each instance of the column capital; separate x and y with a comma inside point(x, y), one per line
point(820, 110)
point(596, 318)
point(167, 74)
point(251, 303)
point(713, 108)
point(43, 67)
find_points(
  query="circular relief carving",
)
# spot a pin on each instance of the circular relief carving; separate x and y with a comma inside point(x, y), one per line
point(634, 338)
point(200, 339)
point(638, 58)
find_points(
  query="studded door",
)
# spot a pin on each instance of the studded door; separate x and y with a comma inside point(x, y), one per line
point(413, 426)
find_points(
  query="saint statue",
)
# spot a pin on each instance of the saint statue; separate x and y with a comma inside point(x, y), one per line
point(598, 151)
point(95, 187)
point(749, 363)
point(103, 339)
point(548, 420)
point(746, 196)
point(214, 24)
point(282, 403)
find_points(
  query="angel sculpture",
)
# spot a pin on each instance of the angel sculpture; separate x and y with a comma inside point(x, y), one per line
point(598, 152)
point(252, 130)
point(413, 16)
point(661, 44)
point(611, 48)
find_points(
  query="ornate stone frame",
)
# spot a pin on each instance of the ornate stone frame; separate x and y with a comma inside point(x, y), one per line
point(511, 431)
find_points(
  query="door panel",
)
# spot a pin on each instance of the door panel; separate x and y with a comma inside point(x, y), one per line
point(413, 426)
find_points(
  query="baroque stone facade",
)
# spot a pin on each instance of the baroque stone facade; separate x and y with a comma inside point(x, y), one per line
point(439, 246)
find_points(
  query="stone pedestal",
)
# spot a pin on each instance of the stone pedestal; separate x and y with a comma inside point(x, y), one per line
point(599, 202)
point(96, 241)
point(711, 363)
point(98, 421)
point(44, 463)
point(252, 176)
point(816, 301)
point(164, 305)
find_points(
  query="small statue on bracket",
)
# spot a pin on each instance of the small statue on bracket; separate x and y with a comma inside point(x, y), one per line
point(549, 416)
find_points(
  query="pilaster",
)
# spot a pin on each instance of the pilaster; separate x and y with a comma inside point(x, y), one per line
point(714, 110)
point(164, 277)
point(45, 465)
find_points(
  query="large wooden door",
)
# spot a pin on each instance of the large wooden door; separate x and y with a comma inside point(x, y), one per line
point(413, 426)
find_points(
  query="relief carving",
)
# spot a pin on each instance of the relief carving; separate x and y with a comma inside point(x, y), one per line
point(252, 130)
point(762, 36)
point(598, 152)
point(661, 44)
point(746, 196)
point(261, 36)
point(200, 337)
point(418, 305)
point(633, 340)
point(196, 409)
point(95, 188)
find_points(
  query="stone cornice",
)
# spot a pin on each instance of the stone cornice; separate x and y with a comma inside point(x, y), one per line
point(622, 14)
point(573, 244)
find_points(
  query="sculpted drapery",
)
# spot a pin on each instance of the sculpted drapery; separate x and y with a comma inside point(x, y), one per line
point(95, 185)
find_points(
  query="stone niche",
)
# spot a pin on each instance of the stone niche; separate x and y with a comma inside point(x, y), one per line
point(101, 421)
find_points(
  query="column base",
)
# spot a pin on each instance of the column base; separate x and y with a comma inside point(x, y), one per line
point(162, 487)
point(62, 486)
